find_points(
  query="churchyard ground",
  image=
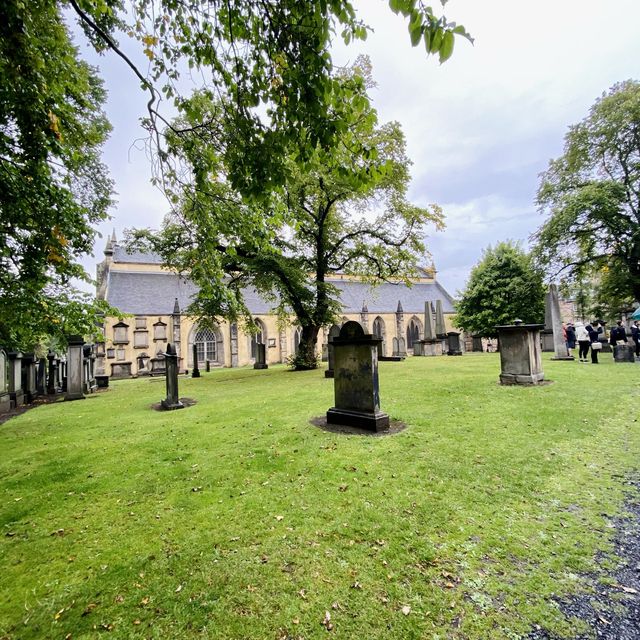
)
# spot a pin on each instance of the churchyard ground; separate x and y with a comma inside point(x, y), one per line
point(237, 518)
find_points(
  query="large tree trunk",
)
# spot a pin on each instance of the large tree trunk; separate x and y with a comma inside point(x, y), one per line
point(307, 357)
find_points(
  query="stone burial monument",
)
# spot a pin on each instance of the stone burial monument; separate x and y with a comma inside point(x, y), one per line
point(520, 354)
point(552, 336)
point(356, 388)
point(172, 401)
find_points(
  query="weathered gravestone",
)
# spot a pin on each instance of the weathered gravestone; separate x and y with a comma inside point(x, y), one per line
point(334, 332)
point(520, 356)
point(623, 353)
point(75, 368)
point(41, 377)
point(172, 401)
point(417, 348)
point(261, 357)
point(441, 330)
point(356, 387)
point(5, 398)
point(29, 377)
point(553, 320)
point(52, 378)
point(453, 343)
point(429, 341)
point(196, 372)
point(476, 344)
point(16, 392)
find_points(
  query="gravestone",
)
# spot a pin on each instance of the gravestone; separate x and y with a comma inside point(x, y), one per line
point(207, 366)
point(417, 348)
point(196, 372)
point(41, 377)
point(476, 344)
point(396, 347)
point(453, 341)
point(29, 377)
point(52, 378)
point(16, 393)
point(5, 398)
point(356, 385)
point(402, 347)
point(172, 401)
point(334, 332)
point(429, 341)
point(441, 331)
point(553, 321)
point(520, 354)
point(261, 357)
point(75, 367)
point(623, 353)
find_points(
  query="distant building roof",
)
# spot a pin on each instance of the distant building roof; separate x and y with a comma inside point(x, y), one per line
point(155, 293)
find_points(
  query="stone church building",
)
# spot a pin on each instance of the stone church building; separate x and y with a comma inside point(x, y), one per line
point(155, 298)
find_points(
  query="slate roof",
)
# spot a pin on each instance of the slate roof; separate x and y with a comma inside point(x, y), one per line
point(120, 254)
point(147, 293)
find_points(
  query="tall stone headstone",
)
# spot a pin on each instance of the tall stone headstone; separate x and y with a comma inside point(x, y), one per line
point(429, 341)
point(520, 355)
point(356, 384)
point(52, 385)
point(29, 365)
point(172, 401)
point(261, 357)
point(334, 332)
point(75, 366)
point(41, 377)
point(16, 392)
point(5, 398)
point(441, 331)
point(553, 321)
point(399, 331)
point(194, 350)
point(453, 343)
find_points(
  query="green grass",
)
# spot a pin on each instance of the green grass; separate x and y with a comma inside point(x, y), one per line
point(236, 518)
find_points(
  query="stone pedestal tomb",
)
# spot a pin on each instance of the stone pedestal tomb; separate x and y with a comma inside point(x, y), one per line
point(623, 353)
point(356, 387)
point(75, 368)
point(553, 321)
point(520, 355)
point(172, 401)
point(429, 342)
point(196, 371)
point(5, 398)
point(29, 365)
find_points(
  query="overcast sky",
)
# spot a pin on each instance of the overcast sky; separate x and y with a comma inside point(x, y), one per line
point(479, 128)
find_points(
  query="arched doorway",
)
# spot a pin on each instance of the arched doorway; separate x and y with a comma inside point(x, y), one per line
point(379, 331)
point(413, 332)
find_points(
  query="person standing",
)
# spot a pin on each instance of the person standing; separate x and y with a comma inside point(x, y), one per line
point(582, 335)
point(594, 338)
point(618, 334)
point(635, 335)
point(571, 338)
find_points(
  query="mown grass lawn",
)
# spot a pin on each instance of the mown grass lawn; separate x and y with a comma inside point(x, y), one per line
point(236, 518)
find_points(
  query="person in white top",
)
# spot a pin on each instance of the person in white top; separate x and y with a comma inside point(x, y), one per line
point(584, 342)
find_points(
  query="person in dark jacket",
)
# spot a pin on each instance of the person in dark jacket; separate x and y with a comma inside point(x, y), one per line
point(635, 334)
point(594, 339)
point(618, 334)
point(571, 338)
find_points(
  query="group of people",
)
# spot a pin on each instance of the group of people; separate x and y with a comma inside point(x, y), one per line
point(587, 337)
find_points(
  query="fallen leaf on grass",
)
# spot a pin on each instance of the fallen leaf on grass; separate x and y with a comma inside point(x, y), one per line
point(58, 532)
point(356, 585)
point(278, 518)
point(627, 589)
point(326, 621)
point(303, 594)
point(145, 600)
point(179, 588)
point(119, 599)
point(196, 489)
point(406, 610)
point(90, 607)
point(136, 622)
point(343, 487)
point(10, 534)
point(296, 621)
point(603, 620)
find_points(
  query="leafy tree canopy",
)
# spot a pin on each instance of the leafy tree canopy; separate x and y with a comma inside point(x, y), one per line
point(343, 210)
point(267, 63)
point(53, 188)
point(591, 195)
point(503, 286)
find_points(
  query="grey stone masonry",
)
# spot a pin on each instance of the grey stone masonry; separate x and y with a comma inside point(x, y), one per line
point(356, 385)
point(334, 332)
point(16, 392)
point(75, 368)
point(29, 365)
point(5, 398)
point(520, 355)
point(172, 400)
point(623, 353)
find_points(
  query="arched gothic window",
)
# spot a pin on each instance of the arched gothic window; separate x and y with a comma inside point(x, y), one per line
point(378, 328)
point(206, 345)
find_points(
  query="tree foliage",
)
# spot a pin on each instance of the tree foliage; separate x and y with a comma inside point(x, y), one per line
point(53, 187)
point(503, 286)
point(267, 62)
point(591, 195)
point(343, 210)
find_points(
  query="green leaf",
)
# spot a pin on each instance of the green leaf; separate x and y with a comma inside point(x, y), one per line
point(446, 48)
